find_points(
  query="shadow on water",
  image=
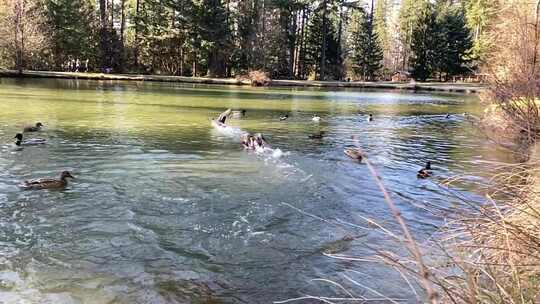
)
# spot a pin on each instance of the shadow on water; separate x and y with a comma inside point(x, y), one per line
point(165, 210)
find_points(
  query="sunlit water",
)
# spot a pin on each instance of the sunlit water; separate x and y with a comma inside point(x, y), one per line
point(165, 209)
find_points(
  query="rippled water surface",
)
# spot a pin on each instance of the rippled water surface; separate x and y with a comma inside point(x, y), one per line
point(165, 209)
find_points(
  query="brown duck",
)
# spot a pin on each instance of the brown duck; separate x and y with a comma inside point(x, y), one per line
point(35, 128)
point(424, 172)
point(47, 183)
point(354, 154)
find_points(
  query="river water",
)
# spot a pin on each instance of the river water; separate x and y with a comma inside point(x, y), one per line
point(166, 209)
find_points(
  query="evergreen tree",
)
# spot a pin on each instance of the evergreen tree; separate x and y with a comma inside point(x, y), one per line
point(408, 16)
point(74, 30)
point(214, 33)
point(313, 49)
point(455, 44)
point(479, 15)
point(425, 43)
point(381, 21)
point(367, 53)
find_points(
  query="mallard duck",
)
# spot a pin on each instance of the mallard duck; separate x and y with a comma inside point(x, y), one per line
point(354, 154)
point(317, 136)
point(29, 142)
point(47, 183)
point(238, 114)
point(35, 128)
point(316, 118)
point(370, 117)
point(223, 116)
point(284, 117)
point(424, 172)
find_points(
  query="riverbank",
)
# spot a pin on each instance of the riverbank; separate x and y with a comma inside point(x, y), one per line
point(467, 88)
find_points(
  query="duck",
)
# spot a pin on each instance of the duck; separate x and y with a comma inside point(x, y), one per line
point(238, 114)
point(317, 136)
point(370, 117)
point(424, 172)
point(447, 115)
point(47, 183)
point(354, 154)
point(29, 142)
point(316, 118)
point(284, 117)
point(35, 128)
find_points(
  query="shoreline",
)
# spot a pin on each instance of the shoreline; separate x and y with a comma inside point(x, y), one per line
point(465, 88)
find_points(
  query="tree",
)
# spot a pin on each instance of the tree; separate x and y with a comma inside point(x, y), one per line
point(480, 14)
point(74, 32)
point(24, 39)
point(367, 54)
point(214, 33)
point(455, 44)
point(315, 59)
point(424, 43)
point(382, 27)
point(408, 16)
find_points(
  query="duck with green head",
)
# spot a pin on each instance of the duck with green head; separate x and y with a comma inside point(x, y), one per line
point(28, 142)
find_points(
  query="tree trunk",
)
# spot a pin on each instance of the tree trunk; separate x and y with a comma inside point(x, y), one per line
point(112, 15)
point(122, 29)
point(301, 47)
point(136, 50)
point(103, 32)
point(323, 43)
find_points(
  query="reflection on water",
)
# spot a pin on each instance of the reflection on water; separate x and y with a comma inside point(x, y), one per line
point(164, 209)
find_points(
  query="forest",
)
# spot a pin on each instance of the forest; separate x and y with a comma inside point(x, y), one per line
point(287, 39)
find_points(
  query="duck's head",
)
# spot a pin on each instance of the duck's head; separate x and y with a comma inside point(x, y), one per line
point(39, 125)
point(65, 175)
point(18, 136)
point(428, 165)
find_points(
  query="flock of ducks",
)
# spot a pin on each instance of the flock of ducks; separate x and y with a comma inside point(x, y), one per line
point(40, 183)
point(254, 142)
point(248, 141)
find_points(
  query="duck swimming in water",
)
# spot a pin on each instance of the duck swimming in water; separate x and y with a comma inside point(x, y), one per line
point(320, 135)
point(47, 183)
point(354, 154)
point(254, 142)
point(29, 142)
point(370, 117)
point(238, 114)
point(316, 118)
point(424, 172)
point(284, 117)
point(223, 116)
point(35, 128)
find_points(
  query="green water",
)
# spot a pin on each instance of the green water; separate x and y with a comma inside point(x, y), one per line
point(166, 209)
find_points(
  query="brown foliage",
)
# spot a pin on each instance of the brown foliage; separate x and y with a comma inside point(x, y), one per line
point(513, 65)
point(257, 78)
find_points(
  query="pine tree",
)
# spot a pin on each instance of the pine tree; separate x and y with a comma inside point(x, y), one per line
point(479, 16)
point(74, 30)
point(408, 16)
point(214, 34)
point(455, 44)
point(367, 53)
point(381, 21)
point(424, 43)
point(313, 52)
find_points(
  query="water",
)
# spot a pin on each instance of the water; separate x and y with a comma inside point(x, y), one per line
point(165, 209)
